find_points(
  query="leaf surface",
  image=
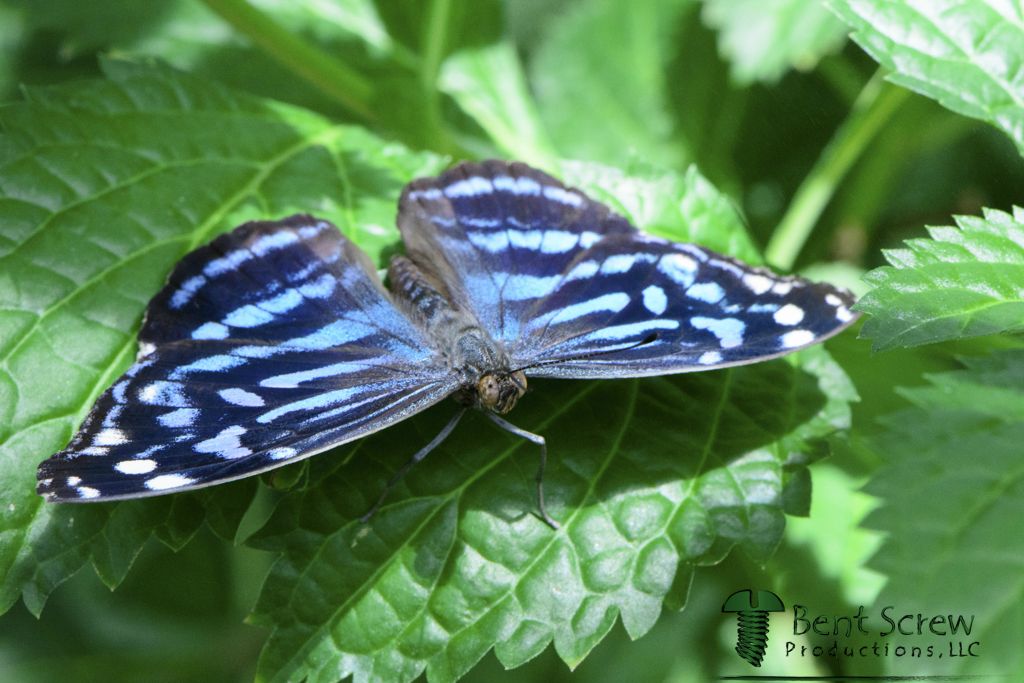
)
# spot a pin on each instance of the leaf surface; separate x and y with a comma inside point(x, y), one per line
point(609, 105)
point(650, 479)
point(104, 186)
point(763, 40)
point(967, 54)
point(953, 496)
point(965, 281)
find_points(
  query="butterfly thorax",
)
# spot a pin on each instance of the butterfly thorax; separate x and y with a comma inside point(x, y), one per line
point(487, 381)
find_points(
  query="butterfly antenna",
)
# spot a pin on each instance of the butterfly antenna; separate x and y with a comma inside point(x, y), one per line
point(652, 337)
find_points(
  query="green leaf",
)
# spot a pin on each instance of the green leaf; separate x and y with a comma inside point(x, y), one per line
point(833, 536)
point(953, 492)
point(104, 186)
point(961, 283)
point(599, 77)
point(966, 55)
point(649, 479)
point(680, 207)
point(488, 83)
point(763, 40)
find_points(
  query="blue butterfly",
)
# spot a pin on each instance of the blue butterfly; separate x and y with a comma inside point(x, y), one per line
point(277, 340)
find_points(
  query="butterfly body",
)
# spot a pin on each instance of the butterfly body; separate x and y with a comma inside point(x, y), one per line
point(277, 340)
point(487, 380)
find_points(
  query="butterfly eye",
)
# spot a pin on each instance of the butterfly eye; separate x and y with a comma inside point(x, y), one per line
point(489, 391)
point(499, 393)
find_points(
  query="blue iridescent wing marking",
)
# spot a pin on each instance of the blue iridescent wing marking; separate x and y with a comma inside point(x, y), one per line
point(499, 235)
point(646, 306)
point(273, 342)
point(563, 281)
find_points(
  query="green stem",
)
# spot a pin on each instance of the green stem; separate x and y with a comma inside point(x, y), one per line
point(874, 106)
point(435, 45)
point(435, 38)
point(333, 78)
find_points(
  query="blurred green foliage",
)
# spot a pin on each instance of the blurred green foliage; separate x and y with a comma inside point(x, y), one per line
point(135, 131)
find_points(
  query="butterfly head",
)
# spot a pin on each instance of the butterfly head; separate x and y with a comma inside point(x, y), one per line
point(499, 391)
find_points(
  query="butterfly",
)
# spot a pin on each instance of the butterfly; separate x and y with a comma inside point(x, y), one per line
point(278, 340)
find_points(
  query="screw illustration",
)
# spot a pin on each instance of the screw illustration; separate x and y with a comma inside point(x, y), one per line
point(752, 633)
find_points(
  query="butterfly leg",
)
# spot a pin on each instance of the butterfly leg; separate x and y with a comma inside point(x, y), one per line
point(539, 440)
point(404, 470)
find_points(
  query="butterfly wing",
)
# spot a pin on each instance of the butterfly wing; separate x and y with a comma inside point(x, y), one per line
point(566, 283)
point(637, 305)
point(499, 235)
point(272, 343)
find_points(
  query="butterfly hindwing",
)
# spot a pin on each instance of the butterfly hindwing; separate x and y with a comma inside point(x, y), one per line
point(556, 276)
point(499, 235)
point(272, 343)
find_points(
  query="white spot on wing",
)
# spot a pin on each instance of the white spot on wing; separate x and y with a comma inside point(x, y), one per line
point(562, 196)
point(187, 290)
point(679, 268)
point(145, 348)
point(843, 314)
point(558, 241)
point(519, 186)
point(728, 330)
point(245, 316)
point(796, 338)
point(176, 419)
point(789, 315)
point(88, 492)
point(281, 453)
point(489, 240)
point(228, 262)
point(208, 364)
point(164, 482)
point(618, 263)
point(469, 187)
point(582, 270)
point(655, 300)
point(273, 242)
point(110, 437)
point(225, 445)
point(708, 292)
point(135, 466)
point(429, 193)
point(758, 284)
point(710, 358)
point(283, 302)
point(241, 397)
point(211, 331)
point(525, 239)
point(321, 288)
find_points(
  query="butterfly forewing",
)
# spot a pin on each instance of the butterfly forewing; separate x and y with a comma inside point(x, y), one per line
point(672, 308)
point(274, 342)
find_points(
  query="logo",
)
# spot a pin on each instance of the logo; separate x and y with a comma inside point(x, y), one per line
point(901, 635)
point(752, 608)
